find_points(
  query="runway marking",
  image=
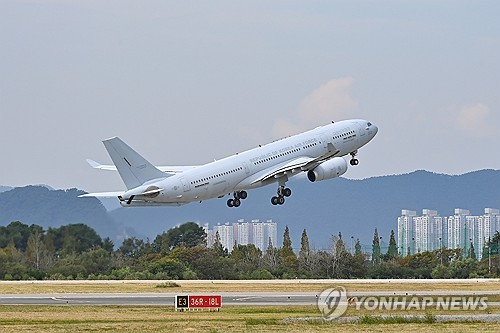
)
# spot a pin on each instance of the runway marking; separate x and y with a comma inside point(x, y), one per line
point(246, 298)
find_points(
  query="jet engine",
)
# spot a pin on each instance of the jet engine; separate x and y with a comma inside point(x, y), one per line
point(332, 168)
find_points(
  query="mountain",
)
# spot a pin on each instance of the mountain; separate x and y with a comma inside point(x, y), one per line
point(53, 208)
point(5, 188)
point(353, 207)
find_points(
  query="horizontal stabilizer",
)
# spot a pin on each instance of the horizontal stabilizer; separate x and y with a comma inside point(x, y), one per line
point(100, 166)
point(167, 169)
point(102, 195)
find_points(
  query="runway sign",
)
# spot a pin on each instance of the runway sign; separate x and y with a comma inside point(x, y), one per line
point(198, 302)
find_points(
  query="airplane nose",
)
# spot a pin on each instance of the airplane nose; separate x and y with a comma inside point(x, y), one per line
point(374, 129)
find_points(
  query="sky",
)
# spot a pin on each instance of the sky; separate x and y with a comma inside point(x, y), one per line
point(187, 82)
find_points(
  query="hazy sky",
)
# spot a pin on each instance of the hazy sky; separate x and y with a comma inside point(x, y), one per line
point(184, 82)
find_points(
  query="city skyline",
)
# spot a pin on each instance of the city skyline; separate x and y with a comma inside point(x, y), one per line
point(244, 233)
point(430, 231)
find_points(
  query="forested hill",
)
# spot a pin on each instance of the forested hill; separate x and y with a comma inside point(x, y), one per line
point(53, 208)
point(353, 207)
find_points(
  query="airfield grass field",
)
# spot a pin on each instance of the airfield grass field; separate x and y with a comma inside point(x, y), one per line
point(230, 319)
point(69, 286)
point(88, 318)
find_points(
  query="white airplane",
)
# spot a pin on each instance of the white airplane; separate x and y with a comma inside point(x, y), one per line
point(317, 152)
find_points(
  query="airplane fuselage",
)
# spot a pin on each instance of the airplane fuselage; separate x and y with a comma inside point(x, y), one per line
point(259, 166)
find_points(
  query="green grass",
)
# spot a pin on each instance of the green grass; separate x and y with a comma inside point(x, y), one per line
point(167, 285)
point(39, 287)
point(55, 319)
point(371, 320)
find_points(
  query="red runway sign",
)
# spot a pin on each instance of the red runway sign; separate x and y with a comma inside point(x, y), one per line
point(198, 302)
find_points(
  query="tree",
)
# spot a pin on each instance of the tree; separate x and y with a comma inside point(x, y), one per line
point(494, 243)
point(462, 269)
point(167, 268)
point(186, 235)
point(376, 248)
point(18, 234)
point(304, 253)
point(472, 252)
point(392, 251)
point(486, 248)
point(304, 246)
point(132, 247)
point(217, 246)
point(247, 258)
point(286, 252)
point(74, 238)
point(161, 243)
point(97, 261)
point(272, 260)
point(357, 248)
point(108, 245)
point(287, 249)
point(340, 257)
point(36, 252)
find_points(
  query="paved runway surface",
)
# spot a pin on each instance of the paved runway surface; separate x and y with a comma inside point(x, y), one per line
point(160, 299)
point(228, 298)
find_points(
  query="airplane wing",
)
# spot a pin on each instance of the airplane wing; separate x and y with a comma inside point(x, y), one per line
point(303, 163)
point(166, 169)
point(289, 167)
point(101, 195)
point(117, 194)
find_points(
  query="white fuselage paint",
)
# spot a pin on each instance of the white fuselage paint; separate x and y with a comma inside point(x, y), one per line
point(239, 172)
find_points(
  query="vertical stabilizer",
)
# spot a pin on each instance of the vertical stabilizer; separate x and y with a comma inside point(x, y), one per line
point(134, 169)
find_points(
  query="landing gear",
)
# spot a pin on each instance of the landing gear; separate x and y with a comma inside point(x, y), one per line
point(354, 161)
point(233, 203)
point(238, 196)
point(282, 193)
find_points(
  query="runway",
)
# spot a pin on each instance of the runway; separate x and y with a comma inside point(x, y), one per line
point(228, 298)
point(156, 299)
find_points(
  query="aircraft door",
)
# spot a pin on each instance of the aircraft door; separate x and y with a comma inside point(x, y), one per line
point(185, 185)
point(361, 130)
point(324, 140)
point(247, 169)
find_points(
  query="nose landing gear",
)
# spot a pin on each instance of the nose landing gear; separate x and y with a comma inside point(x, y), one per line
point(354, 161)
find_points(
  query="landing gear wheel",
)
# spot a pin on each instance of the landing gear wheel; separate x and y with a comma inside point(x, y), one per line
point(236, 202)
point(287, 192)
point(281, 200)
point(354, 162)
point(243, 195)
point(274, 200)
point(230, 203)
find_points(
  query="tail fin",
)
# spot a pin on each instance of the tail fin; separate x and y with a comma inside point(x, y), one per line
point(134, 169)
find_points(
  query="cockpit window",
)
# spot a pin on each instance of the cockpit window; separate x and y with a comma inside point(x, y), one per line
point(368, 124)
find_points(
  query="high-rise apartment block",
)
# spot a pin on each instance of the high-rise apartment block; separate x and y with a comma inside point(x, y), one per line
point(430, 231)
point(244, 233)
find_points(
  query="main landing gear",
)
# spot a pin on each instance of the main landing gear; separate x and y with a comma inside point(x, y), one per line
point(282, 193)
point(354, 161)
point(238, 196)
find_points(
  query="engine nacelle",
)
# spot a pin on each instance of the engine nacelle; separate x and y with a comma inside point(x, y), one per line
point(332, 168)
